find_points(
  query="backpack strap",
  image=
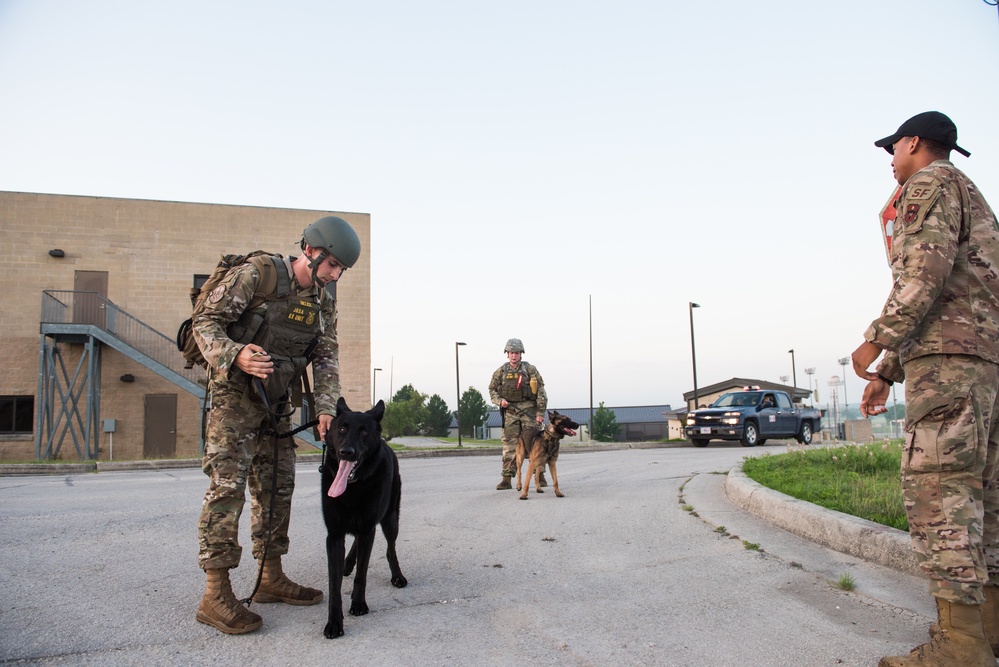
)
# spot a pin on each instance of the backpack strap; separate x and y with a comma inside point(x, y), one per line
point(283, 287)
point(275, 281)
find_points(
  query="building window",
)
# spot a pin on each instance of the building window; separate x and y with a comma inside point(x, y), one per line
point(16, 413)
point(200, 279)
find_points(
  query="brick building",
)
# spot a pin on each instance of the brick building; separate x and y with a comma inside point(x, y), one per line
point(93, 290)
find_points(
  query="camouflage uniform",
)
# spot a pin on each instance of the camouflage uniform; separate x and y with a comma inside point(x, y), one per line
point(237, 448)
point(524, 409)
point(941, 327)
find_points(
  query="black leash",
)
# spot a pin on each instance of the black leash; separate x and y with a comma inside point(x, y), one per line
point(276, 436)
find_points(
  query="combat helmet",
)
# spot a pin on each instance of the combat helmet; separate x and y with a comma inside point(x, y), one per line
point(334, 237)
point(514, 345)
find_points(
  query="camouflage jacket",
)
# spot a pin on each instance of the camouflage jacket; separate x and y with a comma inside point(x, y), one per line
point(228, 301)
point(945, 264)
point(535, 406)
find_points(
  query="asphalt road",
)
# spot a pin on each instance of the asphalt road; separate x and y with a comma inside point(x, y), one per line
point(644, 562)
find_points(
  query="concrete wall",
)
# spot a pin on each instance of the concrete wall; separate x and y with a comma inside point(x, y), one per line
point(151, 251)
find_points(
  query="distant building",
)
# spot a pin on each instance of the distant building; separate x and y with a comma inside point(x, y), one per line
point(94, 290)
point(709, 394)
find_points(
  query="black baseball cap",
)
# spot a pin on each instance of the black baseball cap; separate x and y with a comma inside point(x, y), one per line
point(931, 125)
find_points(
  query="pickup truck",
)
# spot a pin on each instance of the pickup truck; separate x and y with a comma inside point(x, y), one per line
point(751, 416)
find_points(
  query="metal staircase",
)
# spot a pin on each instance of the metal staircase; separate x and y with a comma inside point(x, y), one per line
point(69, 404)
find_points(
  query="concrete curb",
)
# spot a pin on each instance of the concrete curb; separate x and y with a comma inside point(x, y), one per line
point(847, 534)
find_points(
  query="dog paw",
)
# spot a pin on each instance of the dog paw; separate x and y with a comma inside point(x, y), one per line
point(333, 630)
point(524, 497)
point(540, 490)
point(400, 581)
point(560, 494)
point(358, 608)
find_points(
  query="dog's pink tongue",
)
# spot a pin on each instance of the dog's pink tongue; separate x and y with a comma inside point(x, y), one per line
point(339, 484)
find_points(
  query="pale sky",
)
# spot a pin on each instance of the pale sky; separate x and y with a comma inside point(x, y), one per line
point(521, 158)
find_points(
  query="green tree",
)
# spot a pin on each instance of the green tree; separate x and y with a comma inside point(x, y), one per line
point(473, 411)
point(405, 414)
point(406, 393)
point(437, 417)
point(605, 426)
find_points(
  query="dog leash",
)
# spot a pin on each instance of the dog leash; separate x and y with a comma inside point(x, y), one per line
point(276, 436)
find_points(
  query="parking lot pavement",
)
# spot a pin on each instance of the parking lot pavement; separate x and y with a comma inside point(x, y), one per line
point(629, 568)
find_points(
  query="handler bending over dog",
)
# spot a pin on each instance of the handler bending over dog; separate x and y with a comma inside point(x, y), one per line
point(239, 446)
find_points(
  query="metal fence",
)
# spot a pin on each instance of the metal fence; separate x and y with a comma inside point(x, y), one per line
point(78, 307)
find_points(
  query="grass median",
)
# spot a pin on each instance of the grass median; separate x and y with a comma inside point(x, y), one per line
point(860, 480)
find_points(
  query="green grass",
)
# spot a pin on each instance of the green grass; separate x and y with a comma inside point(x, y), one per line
point(846, 582)
point(860, 480)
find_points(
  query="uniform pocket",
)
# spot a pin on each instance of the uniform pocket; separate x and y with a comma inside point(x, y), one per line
point(943, 439)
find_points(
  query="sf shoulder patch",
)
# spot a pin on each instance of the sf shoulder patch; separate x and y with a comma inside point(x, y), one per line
point(917, 201)
point(216, 294)
point(921, 191)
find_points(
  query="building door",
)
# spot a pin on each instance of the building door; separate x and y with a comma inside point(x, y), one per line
point(160, 434)
point(91, 289)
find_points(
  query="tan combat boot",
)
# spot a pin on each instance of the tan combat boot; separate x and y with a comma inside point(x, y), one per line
point(990, 617)
point(220, 609)
point(504, 484)
point(958, 638)
point(276, 587)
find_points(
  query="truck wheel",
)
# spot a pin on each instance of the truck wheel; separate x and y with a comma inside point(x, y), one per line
point(805, 434)
point(750, 435)
point(699, 442)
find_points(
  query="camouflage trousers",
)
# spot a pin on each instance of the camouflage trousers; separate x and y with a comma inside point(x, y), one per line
point(514, 423)
point(949, 467)
point(239, 454)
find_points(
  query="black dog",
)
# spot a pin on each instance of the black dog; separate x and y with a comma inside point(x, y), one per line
point(365, 492)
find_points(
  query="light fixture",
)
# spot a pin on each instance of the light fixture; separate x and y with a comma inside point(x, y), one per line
point(56, 252)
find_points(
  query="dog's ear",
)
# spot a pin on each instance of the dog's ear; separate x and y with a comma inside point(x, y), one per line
point(378, 411)
point(341, 406)
point(552, 414)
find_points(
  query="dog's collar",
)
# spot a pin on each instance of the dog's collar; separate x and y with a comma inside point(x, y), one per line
point(551, 431)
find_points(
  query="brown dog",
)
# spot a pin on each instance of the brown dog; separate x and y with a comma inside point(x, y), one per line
point(540, 449)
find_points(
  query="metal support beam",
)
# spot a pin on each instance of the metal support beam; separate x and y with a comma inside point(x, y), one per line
point(60, 411)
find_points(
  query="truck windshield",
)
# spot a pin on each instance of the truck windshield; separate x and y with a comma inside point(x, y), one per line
point(739, 400)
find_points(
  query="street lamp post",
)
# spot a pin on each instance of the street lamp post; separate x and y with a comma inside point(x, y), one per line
point(846, 401)
point(374, 378)
point(589, 426)
point(693, 355)
point(794, 373)
point(810, 372)
point(457, 379)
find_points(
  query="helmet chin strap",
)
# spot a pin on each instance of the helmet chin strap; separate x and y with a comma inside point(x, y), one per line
point(314, 263)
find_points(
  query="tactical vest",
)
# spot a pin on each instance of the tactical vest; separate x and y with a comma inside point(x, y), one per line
point(517, 385)
point(288, 329)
